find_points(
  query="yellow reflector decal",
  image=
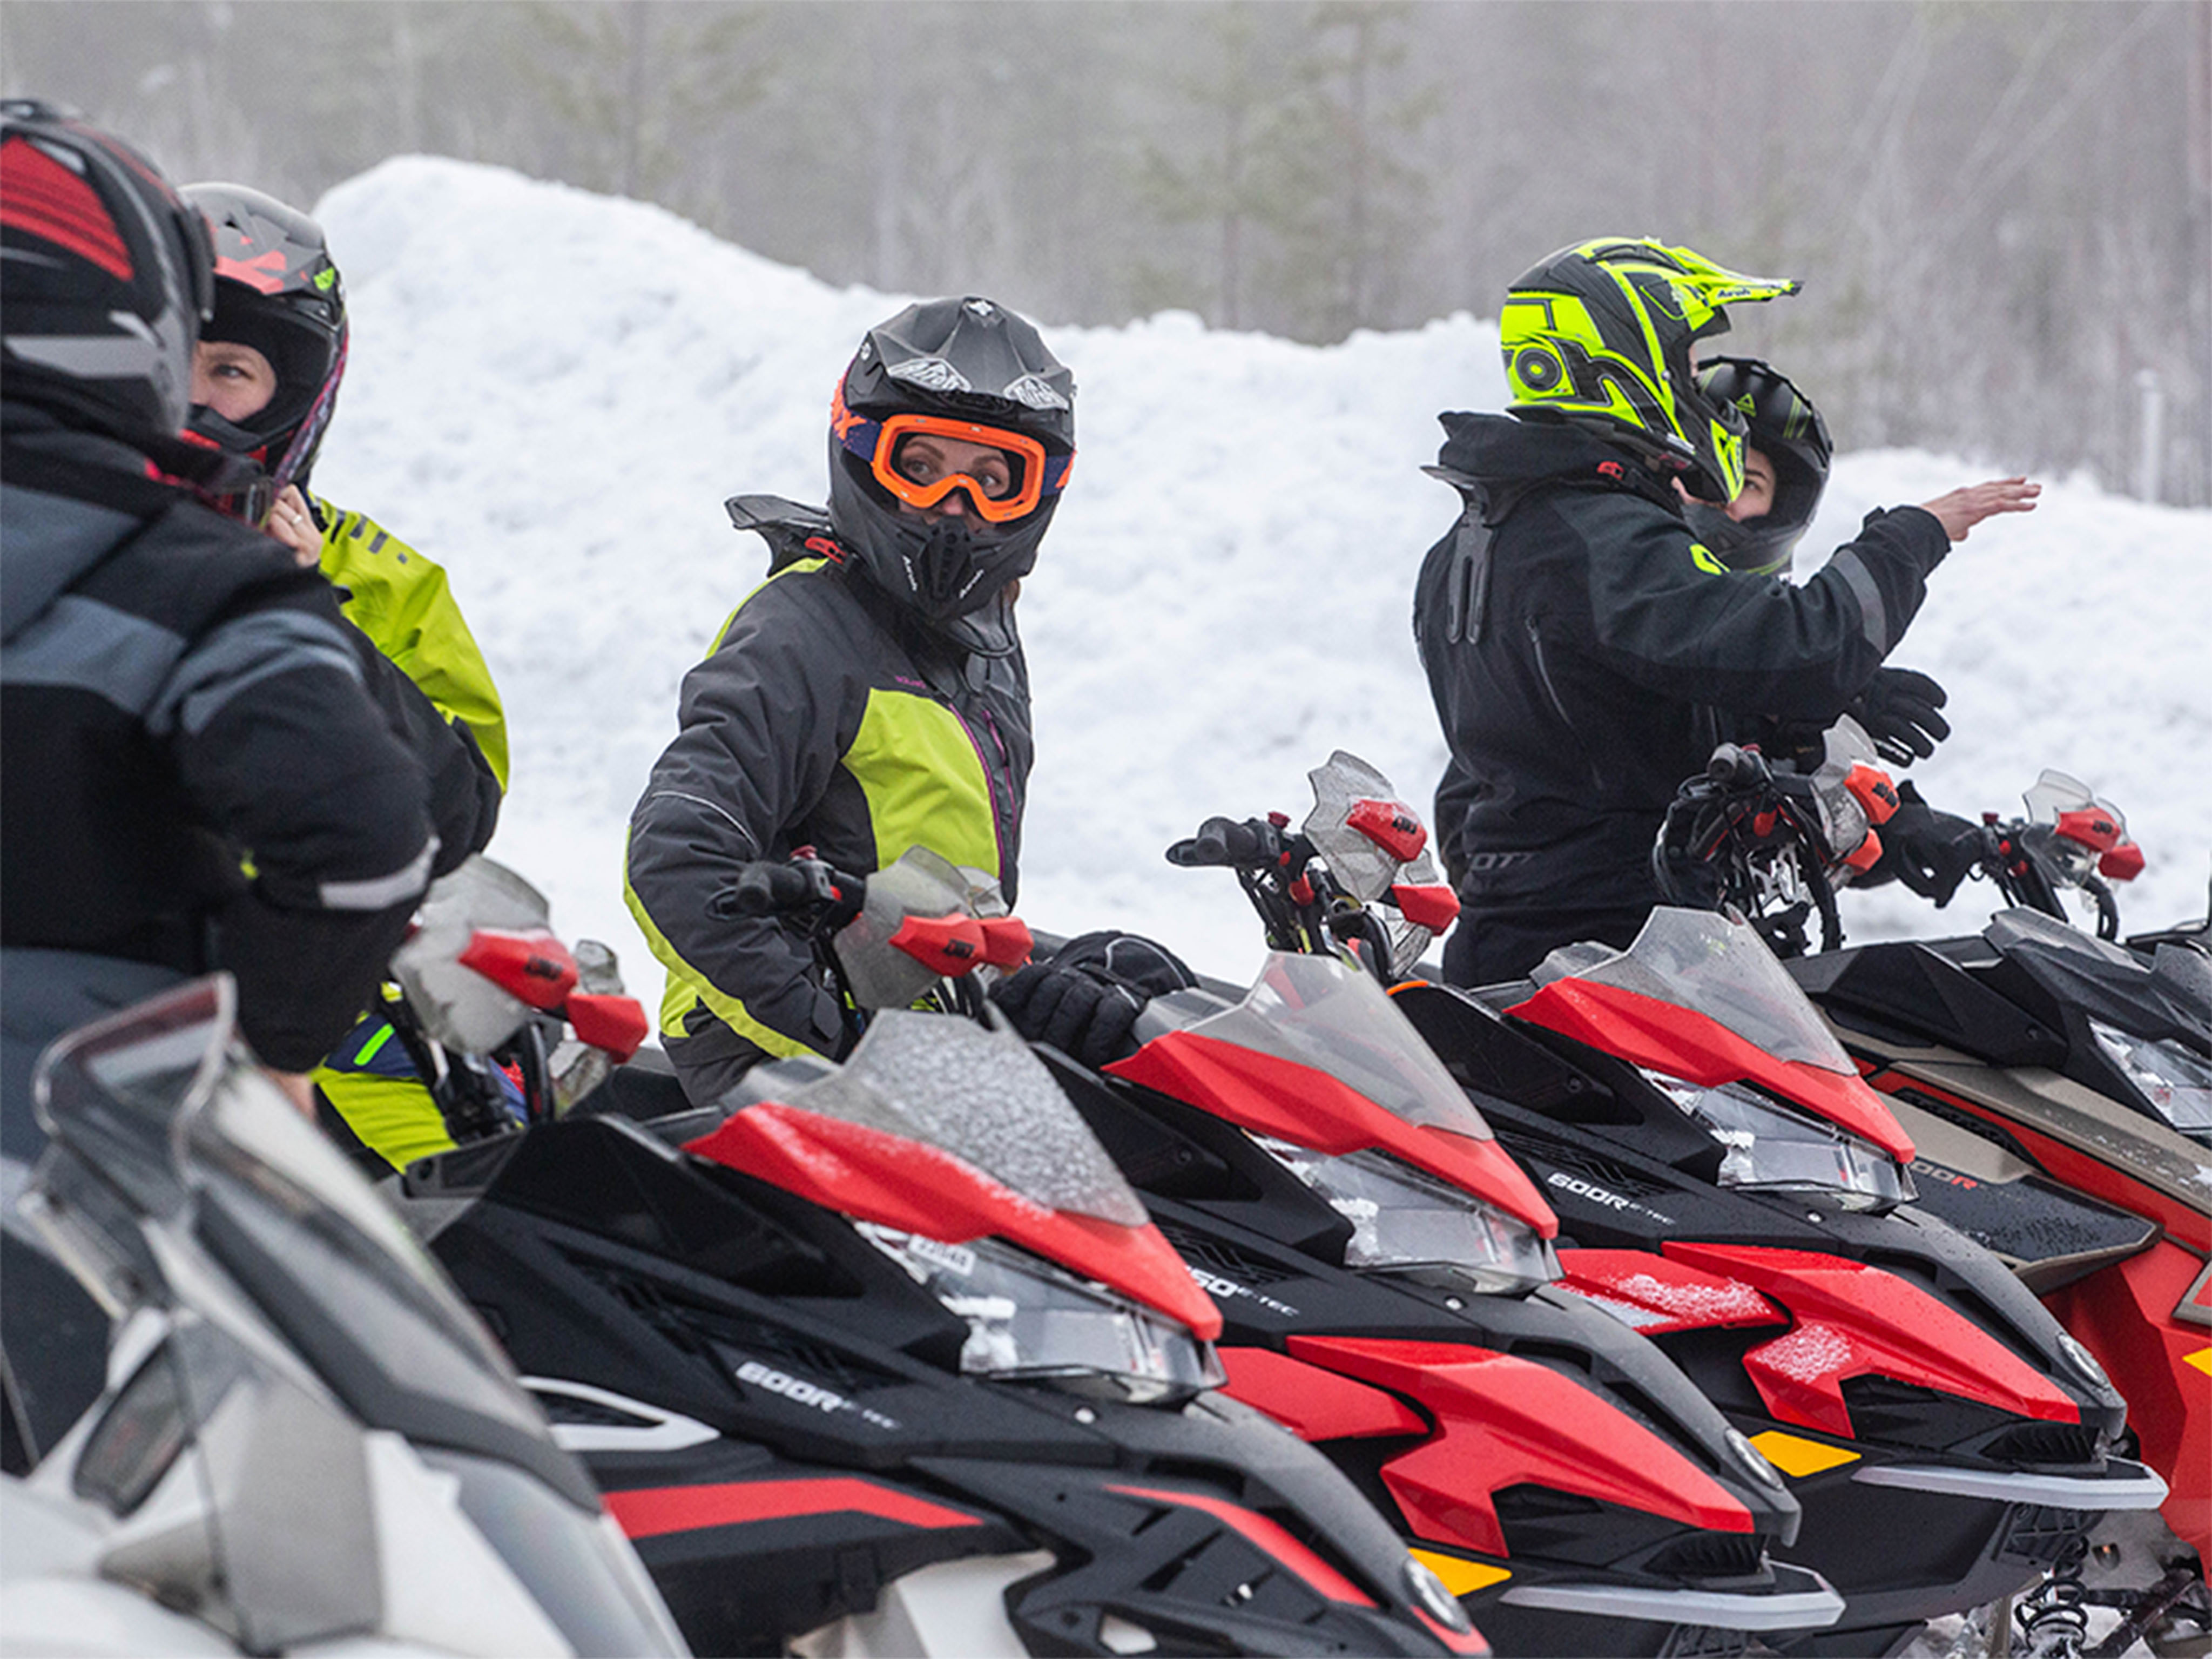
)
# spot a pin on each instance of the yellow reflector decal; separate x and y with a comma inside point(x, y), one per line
point(1461, 1578)
point(1795, 1455)
point(2202, 1360)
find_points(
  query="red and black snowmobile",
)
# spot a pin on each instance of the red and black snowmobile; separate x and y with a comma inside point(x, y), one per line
point(886, 1357)
point(2057, 1088)
point(1728, 1186)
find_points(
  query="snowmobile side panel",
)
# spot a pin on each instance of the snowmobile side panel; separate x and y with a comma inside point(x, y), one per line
point(1312, 1403)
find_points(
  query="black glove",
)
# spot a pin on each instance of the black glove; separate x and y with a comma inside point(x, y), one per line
point(1898, 709)
point(1931, 851)
point(1085, 999)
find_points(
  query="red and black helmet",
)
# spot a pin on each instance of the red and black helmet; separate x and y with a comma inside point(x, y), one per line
point(105, 278)
point(967, 369)
point(276, 290)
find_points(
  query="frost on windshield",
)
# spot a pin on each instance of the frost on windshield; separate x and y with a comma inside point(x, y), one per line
point(1715, 966)
point(1326, 1014)
point(982, 1096)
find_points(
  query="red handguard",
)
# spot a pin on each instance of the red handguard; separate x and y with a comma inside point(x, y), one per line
point(615, 1024)
point(1007, 941)
point(1434, 907)
point(1391, 825)
point(2093, 826)
point(534, 968)
point(2122, 863)
point(950, 946)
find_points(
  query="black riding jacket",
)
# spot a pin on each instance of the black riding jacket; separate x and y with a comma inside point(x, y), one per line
point(194, 776)
point(824, 716)
point(1586, 655)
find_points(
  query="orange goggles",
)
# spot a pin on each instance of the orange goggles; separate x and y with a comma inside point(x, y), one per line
point(1005, 492)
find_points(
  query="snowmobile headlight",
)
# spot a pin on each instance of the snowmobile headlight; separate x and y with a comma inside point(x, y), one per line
point(1027, 1318)
point(2177, 1083)
point(1765, 1145)
point(1404, 1217)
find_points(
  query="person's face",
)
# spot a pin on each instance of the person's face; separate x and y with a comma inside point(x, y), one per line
point(925, 458)
point(234, 380)
point(1756, 499)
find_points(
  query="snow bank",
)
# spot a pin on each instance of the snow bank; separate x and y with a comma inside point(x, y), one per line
point(551, 393)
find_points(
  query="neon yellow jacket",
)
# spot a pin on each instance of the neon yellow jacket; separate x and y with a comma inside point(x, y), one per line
point(401, 600)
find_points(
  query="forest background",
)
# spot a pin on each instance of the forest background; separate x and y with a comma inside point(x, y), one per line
point(2002, 212)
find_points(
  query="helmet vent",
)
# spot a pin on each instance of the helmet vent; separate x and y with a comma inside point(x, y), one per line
point(930, 373)
point(1032, 393)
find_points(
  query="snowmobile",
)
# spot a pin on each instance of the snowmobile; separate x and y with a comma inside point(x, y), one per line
point(1727, 1186)
point(885, 1357)
point(1575, 1490)
point(2057, 1089)
point(306, 1443)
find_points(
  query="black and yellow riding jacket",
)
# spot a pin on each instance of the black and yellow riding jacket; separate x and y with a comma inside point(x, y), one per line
point(824, 716)
point(1587, 654)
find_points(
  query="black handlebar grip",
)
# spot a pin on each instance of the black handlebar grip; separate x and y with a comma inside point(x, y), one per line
point(764, 890)
point(1738, 768)
point(1218, 840)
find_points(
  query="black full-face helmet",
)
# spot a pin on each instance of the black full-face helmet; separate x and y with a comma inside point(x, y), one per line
point(276, 290)
point(1781, 424)
point(968, 373)
point(105, 278)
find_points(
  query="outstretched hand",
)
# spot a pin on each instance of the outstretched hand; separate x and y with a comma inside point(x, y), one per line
point(1961, 509)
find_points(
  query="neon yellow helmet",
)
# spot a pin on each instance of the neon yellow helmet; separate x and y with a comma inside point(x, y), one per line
point(1602, 333)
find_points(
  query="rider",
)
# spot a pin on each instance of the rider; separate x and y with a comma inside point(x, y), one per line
point(872, 695)
point(191, 777)
point(265, 378)
point(1586, 650)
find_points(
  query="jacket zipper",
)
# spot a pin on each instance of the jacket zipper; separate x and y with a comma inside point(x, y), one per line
point(1558, 707)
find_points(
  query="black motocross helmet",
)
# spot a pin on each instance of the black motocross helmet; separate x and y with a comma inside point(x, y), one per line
point(967, 369)
point(276, 290)
point(1784, 426)
point(105, 279)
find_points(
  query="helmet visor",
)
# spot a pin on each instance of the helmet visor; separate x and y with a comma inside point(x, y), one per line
point(922, 458)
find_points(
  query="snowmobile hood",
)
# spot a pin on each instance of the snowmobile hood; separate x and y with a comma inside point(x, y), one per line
point(1316, 1054)
point(936, 1127)
point(2169, 996)
point(1495, 460)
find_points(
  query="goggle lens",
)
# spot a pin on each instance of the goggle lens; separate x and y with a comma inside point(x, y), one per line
point(1007, 484)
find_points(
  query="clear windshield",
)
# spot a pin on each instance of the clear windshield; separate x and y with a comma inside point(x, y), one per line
point(984, 1097)
point(1715, 966)
point(1326, 1014)
point(2008, 929)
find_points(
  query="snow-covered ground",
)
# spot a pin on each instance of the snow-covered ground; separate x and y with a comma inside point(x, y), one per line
point(551, 393)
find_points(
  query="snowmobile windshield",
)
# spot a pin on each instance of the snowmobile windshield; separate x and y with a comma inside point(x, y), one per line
point(314, 1327)
point(163, 1106)
point(1324, 1013)
point(982, 1096)
point(1712, 965)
